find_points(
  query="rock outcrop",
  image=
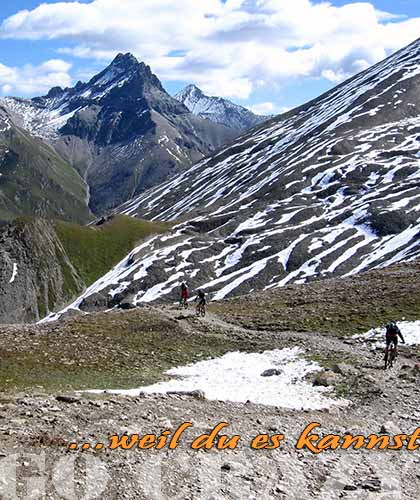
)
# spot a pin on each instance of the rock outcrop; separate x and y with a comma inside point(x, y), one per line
point(35, 273)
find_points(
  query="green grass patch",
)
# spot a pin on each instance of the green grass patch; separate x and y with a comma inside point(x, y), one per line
point(340, 306)
point(102, 351)
point(329, 361)
point(94, 250)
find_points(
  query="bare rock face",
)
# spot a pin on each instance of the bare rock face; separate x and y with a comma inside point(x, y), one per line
point(35, 273)
point(94, 302)
point(326, 379)
point(271, 372)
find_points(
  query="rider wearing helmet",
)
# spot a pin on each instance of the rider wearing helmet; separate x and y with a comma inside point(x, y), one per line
point(201, 298)
point(391, 336)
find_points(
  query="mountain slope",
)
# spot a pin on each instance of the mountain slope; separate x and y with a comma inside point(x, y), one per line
point(121, 130)
point(34, 179)
point(45, 264)
point(329, 189)
point(218, 110)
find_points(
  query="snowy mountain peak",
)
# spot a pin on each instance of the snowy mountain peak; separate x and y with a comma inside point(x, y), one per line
point(55, 92)
point(217, 109)
point(122, 126)
point(124, 69)
point(190, 92)
point(125, 78)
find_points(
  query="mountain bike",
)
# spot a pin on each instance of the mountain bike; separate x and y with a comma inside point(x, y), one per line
point(183, 303)
point(201, 309)
point(390, 356)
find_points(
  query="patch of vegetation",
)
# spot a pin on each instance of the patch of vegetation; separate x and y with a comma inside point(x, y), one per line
point(93, 250)
point(343, 390)
point(102, 351)
point(337, 306)
point(70, 285)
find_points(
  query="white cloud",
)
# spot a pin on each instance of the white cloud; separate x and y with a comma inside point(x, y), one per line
point(267, 108)
point(31, 80)
point(228, 49)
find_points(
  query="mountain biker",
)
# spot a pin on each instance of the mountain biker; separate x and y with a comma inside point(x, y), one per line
point(391, 337)
point(184, 294)
point(201, 299)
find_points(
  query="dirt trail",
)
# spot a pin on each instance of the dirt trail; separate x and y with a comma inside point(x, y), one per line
point(379, 402)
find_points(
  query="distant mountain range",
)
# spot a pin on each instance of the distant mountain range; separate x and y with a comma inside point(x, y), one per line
point(107, 140)
point(329, 189)
point(218, 110)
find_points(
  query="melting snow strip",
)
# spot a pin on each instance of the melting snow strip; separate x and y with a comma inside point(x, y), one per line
point(237, 377)
point(14, 273)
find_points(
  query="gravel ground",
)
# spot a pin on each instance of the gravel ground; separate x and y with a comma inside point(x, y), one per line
point(37, 428)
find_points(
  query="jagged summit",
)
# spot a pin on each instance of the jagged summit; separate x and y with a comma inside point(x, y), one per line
point(126, 59)
point(190, 91)
point(124, 69)
point(217, 109)
point(55, 92)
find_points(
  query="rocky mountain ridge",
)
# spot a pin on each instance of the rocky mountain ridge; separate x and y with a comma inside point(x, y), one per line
point(218, 110)
point(34, 179)
point(44, 264)
point(36, 275)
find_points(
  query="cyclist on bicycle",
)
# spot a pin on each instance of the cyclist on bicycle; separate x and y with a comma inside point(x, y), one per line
point(201, 299)
point(391, 337)
point(184, 294)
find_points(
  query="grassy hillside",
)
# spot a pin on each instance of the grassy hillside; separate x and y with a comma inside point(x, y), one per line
point(36, 181)
point(339, 306)
point(93, 250)
point(136, 347)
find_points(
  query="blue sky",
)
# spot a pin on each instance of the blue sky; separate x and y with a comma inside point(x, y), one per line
point(269, 55)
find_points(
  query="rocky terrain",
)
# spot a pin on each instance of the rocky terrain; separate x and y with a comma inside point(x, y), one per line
point(36, 275)
point(42, 413)
point(218, 110)
point(329, 189)
point(121, 131)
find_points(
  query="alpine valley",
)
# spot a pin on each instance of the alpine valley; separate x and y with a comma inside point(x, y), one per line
point(302, 229)
point(329, 189)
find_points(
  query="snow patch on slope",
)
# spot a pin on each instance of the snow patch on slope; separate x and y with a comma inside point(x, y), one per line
point(236, 377)
point(14, 273)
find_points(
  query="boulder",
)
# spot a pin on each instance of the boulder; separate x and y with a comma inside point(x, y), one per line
point(197, 394)
point(270, 372)
point(344, 369)
point(126, 304)
point(67, 399)
point(326, 379)
point(93, 303)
